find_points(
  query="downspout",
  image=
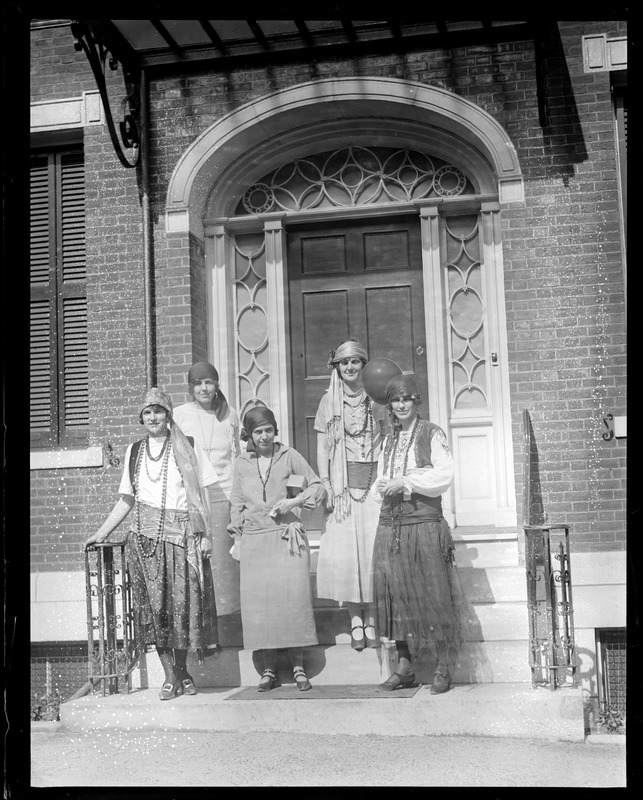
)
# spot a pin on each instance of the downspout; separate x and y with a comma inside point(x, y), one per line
point(148, 238)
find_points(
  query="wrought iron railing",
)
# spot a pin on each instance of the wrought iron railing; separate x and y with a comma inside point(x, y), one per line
point(112, 651)
point(552, 649)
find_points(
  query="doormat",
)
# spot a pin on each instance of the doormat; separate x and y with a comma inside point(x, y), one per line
point(290, 692)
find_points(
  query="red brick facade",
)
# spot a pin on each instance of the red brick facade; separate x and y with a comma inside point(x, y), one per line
point(564, 280)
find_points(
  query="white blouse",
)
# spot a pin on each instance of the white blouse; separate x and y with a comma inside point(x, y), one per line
point(431, 481)
point(150, 478)
point(219, 440)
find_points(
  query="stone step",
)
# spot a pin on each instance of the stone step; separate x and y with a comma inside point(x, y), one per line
point(501, 710)
point(479, 662)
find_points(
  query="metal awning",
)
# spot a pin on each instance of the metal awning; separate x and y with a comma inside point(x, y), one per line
point(166, 44)
point(150, 48)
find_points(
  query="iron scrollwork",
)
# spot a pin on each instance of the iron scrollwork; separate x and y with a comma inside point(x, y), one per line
point(99, 56)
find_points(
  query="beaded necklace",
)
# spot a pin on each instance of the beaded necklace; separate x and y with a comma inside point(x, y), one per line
point(149, 551)
point(199, 408)
point(364, 432)
point(265, 481)
point(390, 467)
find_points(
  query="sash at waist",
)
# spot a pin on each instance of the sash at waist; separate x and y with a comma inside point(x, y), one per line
point(361, 474)
point(293, 533)
point(176, 524)
point(418, 508)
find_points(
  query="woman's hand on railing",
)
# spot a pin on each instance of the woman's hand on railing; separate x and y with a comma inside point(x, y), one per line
point(96, 538)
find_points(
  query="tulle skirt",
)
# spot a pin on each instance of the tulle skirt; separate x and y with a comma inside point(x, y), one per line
point(417, 590)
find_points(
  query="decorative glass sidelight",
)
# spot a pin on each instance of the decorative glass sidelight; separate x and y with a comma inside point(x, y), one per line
point(466, 314)
point(112, 652)
point(354, 176)
point(251, 325)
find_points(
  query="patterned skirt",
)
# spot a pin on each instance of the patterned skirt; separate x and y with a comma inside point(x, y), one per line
point(172, 594)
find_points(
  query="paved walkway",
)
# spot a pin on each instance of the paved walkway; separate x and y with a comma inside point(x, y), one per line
point(116, 758)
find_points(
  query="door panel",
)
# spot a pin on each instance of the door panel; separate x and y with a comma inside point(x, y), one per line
point(359, 280)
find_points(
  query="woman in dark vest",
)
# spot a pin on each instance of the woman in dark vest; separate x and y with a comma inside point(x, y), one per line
point(164, 481)
point(418, 598)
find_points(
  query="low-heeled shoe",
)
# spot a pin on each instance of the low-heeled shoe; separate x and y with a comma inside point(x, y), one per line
point(397, 681)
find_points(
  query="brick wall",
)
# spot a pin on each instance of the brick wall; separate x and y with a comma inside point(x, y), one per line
point(563, 270)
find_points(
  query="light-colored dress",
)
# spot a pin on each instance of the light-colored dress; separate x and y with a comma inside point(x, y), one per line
point(220, 441)
point(276, 595)
point(344, 568)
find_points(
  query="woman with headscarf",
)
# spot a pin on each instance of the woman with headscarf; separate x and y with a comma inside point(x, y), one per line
point(215, 427)
point(418, 596)
point(272, 547)
point(349, 429)
point(164, 480)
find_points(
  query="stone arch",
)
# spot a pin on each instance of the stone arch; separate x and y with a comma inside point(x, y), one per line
point(323, 114)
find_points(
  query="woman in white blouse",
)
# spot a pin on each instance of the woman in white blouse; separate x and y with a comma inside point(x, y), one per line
point(417, 593)
point(214, 425)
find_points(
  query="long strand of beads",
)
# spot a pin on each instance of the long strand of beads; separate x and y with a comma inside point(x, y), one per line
point(362, 499)
point(151, 551)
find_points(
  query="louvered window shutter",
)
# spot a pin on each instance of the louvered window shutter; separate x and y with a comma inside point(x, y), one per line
point(59, 358)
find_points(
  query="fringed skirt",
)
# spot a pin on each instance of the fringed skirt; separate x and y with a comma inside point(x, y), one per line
point(172, 594)
point(418, 594)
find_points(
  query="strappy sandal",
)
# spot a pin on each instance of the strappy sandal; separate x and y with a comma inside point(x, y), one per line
point(301, 679)
point(268, 681)
point(170, 690)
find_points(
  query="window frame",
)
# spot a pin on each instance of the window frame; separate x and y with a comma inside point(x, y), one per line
point(58, 299)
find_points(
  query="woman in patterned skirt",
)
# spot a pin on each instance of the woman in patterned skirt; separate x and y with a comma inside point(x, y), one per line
point(349, 434)
point(164, 480)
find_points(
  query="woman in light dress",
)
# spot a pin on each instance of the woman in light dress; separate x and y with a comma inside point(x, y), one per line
point(349, 429)
point(272, 547)
point(215, 427)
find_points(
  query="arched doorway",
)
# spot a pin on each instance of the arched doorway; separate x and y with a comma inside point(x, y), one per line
point(453, 315)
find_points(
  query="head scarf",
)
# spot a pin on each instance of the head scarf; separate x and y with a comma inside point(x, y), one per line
point(349, 349)
point(155, 397)
point(335, 426)
point(201, 371)
point(400, 386)
point(259, 415)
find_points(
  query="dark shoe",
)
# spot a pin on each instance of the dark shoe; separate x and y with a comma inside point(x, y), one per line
point(170, 690)
point(371, 641)
point(268, 681)
point(397, 681)
point(358, 644)
point(441, 682)
point(188, 685)
point(303, 684)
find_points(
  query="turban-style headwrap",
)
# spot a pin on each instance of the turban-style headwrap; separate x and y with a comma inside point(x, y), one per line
point(335, 426)
point(202, 371)
point(259, 415)
point(400, 386)
point(155, 397)
point(350, 349)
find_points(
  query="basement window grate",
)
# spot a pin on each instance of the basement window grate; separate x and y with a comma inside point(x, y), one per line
point(611, 651)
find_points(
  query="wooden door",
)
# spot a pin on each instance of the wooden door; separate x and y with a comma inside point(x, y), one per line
point(360, 280)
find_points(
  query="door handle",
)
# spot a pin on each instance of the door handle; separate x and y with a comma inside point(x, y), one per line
point(419, 350)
